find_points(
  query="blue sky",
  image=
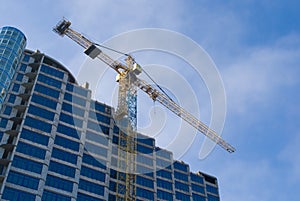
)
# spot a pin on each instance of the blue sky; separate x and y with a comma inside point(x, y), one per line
point(254, 44)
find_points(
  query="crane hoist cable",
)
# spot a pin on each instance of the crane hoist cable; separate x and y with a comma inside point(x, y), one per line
point(111, 49)
point(161, 89)
point(146, 73)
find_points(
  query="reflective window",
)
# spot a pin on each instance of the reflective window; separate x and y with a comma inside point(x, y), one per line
point(115, 139)
point(144, 181)
point(98, 127)
point(66, 143)
point(197, 188)
point(181, 176)
point(70, 120)
point(180, 166)
point(31, 150)
point(163, 163)
point(117, 175)
point(144, 160)
point(93, 174)
point(197, 197)
point(72, 132)
point(164, 184)
point(96, 149)
point(51, 196)
point(113, 173)
point(40, 125)
point(164, 195)
point(44, 101)
point(83, 197)
point(116, 129)
point(164, 174)
point(96, 138)
point(197, 178)
point(211, 189)
point(62, 169)
point(182, 186)
point(75, 99)
point(49, 81)
point(52, 71)
point(26, 58)
point(77, 89)
point(17, 195)
point(7, 110)
point(46, 114)
point(47, 91)
point(144, 149)
point(88, 159)
point(212, 198)
point(23, 67)
point(23, 180)
point(114, 162)
point(20, 77)
point(34, 137)
point(12, 98)
point(65, 156)
point(147, 141)
point(99, 117)
point(182, 196)
point(91, 187)
point(145, 193)
point(114, 150)
point(100, 107)
point(26, 164)
point(112, 186)
point(16, 88)
point(3, 122)
point(72, 109)
point(59, 183)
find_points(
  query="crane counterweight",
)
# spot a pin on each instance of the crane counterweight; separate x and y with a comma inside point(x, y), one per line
point(92, 51)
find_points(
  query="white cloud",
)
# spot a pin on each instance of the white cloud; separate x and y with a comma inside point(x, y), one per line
point(248, 181)
point(100, 20)
point(290, 157)
point(261, 73)
point(113, 17)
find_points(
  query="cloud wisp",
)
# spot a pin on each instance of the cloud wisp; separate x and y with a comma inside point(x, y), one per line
point(260, 73)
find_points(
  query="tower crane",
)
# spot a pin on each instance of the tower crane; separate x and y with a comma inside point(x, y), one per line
point(126, 111)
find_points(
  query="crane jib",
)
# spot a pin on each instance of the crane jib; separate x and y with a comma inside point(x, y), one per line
point(63, 28)
point(189, 118)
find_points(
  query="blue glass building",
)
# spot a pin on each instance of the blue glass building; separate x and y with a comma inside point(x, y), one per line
point(58, 144)
point(12, 45)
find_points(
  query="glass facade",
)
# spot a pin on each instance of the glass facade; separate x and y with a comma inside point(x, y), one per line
point(12, 45)
point(59, 144)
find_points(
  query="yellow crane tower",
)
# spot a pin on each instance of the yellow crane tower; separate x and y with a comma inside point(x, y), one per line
point(126, 110)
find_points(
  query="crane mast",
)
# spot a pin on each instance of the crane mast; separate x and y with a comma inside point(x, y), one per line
point(126, 112)
point(125, 115)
